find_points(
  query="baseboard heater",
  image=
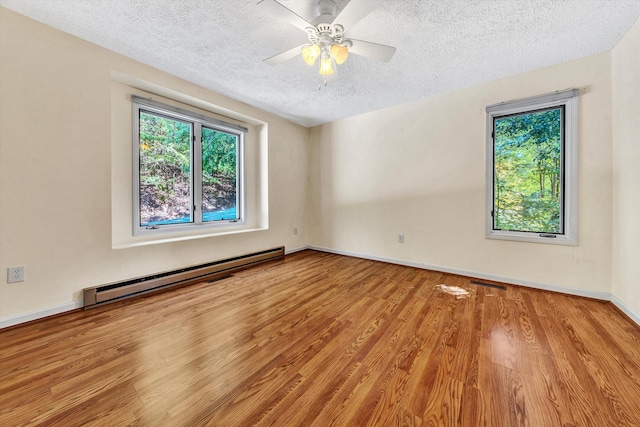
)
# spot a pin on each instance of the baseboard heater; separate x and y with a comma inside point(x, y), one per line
point(99, 295)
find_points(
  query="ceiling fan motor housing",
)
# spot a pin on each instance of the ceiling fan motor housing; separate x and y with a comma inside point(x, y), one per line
point(326, 11)
point(326, 33)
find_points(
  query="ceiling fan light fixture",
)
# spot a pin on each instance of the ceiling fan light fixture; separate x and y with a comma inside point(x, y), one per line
point(310, 53)
point(326, 67)
point(340, 53)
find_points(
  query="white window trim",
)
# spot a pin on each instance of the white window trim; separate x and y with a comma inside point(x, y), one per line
point(198, 120)
point(568, 99)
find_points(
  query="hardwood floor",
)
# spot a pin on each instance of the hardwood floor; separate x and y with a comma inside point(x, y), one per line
point(319, 340)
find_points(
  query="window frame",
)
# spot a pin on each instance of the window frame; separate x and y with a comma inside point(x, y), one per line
point(568, 99)
point(198, 121)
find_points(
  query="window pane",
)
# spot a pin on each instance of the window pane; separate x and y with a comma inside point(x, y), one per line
point(528, 176)
point(219, 175)
point(165, 170)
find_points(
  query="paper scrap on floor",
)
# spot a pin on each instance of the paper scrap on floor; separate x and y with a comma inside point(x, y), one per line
point(453, 290)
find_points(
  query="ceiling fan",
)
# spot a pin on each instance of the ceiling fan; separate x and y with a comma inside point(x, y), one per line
point(326, 34)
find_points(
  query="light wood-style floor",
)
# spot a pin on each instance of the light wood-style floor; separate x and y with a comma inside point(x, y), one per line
point(319, 340)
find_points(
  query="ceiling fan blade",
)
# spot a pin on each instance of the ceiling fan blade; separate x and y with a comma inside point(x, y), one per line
point(377, 51)
point(284, 13)
point(355, 10)
point(284, 56)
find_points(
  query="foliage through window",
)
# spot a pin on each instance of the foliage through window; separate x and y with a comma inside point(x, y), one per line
point(188, 168)
point(532, 164)
point(527, 176)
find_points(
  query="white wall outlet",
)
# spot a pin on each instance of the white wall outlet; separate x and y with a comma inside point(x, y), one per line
point(400, 238)
point(295, 231)
point(15, 274)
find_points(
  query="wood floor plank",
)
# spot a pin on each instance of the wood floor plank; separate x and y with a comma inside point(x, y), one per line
point(546, 394)
point(322, 340)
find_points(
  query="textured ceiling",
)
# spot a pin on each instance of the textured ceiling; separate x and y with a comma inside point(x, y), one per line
point(442, 45)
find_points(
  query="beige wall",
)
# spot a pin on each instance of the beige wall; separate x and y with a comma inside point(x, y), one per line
point(419, 169)
point(57, 178)
point(350, 186)
point(626, 171)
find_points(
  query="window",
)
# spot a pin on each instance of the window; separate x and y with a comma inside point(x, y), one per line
point(532, 169)
point(188, 169)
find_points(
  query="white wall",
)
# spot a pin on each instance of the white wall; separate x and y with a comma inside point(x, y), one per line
point(419, 169)
point(57, 178)
point(626, 172)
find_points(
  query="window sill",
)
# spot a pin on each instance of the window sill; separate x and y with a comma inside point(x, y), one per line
point(157, 239)
point(532, 238)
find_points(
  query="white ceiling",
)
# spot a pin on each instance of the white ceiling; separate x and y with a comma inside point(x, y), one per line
point(442, 45)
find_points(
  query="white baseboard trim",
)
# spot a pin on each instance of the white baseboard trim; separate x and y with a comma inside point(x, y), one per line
point(294, 250)
point(5, 322)
point(626, 310)
point(606, 296)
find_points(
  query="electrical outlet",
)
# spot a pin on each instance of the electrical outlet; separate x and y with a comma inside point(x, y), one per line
point(295, 231)
point(15, 274)
point(400, 238)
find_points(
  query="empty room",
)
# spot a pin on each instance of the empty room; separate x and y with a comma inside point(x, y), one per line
point(320, 213)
